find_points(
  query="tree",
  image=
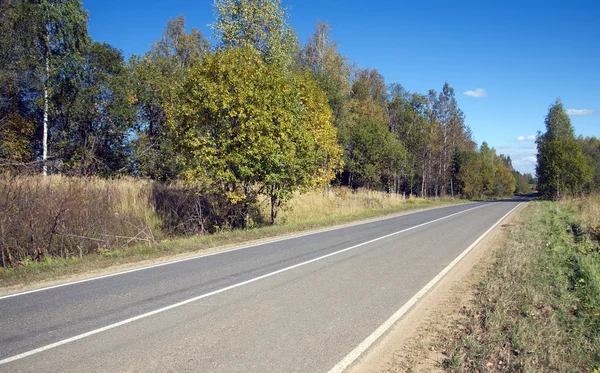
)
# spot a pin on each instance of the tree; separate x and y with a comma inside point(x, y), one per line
point(469, 165)
point(488, 169)
point(365, 136)
point(95, 115)
point(521, 183)
point(369, 85)
point(62, 37)
point(154, 76)
point(365, 150)
point(590, 146)
point(18, 80)
point(41, 42)
point(373, 155)
point(453, 134)
point(561, 168)
point(261, 24)
point(504, 181)
point(247, 128)
point(330, 69)
point(408, 121)
point(16, 134)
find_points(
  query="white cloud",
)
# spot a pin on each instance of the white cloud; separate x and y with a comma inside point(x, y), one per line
point(477, 93)
point(523, 156)
point(580, 112)
point(526, 138)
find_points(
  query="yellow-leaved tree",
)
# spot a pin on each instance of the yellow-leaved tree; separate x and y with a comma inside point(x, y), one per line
point(249, 128)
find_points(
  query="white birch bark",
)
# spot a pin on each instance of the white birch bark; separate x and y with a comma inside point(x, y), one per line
point(46, 79)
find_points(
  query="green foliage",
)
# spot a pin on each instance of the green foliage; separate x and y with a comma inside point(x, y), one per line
point(409, 121)
point(42, 46)
point(373, 154)
point(483, 173)
point(562, 168)
point(107, 119)
point(261, 24)
point(154, 76)
point(488, 168)
point(330, 69)
point(521, 183)
point(92, 128)
point(16, 135)
point(17, 81)
point(590, 146)
point(369, 85)
point(372, 151)
point(62, 43)
point(469, 175)
point(247, 127)
point(505, 183)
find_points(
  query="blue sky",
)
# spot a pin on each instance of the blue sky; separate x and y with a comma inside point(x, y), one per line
point(522, 55)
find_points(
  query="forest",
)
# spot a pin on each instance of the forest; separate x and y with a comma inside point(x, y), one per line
point(256, 115)
point(74, 106)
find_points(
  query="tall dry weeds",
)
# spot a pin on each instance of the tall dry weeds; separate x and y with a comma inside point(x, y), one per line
point(64, 217)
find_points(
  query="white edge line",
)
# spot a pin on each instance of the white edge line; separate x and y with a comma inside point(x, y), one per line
point(167, 308)
point(383, 328)
point(225, 251)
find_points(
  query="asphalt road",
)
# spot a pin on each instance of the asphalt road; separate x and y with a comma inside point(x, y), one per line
point(294, 305)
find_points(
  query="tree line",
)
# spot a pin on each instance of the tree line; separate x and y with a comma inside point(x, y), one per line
point(256, 114)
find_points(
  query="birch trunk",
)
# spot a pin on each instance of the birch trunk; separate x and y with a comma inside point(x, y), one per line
point(45, 135)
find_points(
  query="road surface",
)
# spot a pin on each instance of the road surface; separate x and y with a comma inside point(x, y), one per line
point(302, 304)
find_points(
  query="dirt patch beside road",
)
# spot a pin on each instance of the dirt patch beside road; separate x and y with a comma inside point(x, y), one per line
point(416, 342)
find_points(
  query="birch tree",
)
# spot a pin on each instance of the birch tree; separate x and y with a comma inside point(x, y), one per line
point(261, 24)
point(562, 168)
point(330, 69)
point(62, 38)
point(47, 38)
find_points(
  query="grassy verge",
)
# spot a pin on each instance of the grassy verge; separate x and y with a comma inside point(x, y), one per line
point(305, 212)
point(539, 308)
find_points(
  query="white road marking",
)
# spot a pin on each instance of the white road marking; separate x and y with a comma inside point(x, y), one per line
point(164, 309)
point(368, 342)
point(221, 252)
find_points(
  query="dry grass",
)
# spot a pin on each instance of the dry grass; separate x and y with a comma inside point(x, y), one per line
point(587, 209)
point(341, 201)
point(63, 217)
